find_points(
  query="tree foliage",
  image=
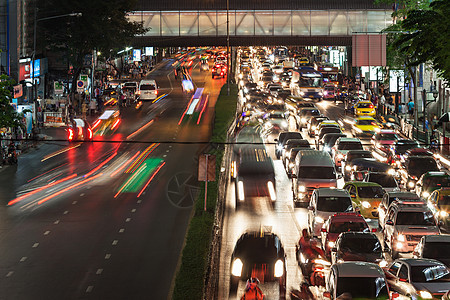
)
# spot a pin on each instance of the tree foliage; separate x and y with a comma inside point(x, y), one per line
point(8, 116)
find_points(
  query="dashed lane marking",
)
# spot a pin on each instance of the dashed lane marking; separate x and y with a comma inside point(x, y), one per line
point(35, 245)
point(115, 242)
point(89, 289)
point(133, 210)
point(75, 202)
point(107, 256)
point(23, 259)
point(99, 271)
point(56, 222)
point(139, 201)
point(121, 230)
point(128, 220)
point(9, 273)
point(66, 212)
point(47, 232)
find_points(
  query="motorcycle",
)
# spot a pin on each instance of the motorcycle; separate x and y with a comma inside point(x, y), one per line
point(313, 268)
point(11, 157)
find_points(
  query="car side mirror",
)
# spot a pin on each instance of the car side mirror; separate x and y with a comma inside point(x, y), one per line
point(323, 230)
point(390, 222)
point(353, 196)
point(334, 249)
point(310, 208)
point(276, 140)
point(339, 176)
point(374, 230)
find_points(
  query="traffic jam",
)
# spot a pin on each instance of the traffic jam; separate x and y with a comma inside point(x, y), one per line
point(372, 205)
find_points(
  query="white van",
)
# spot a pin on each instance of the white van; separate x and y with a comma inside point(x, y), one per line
point(148, 90)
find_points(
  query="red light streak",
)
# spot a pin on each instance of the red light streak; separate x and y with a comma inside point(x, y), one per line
point(139, 158)
point(143, 158)
point(125, 164)
point(151, 178)
point(100, 165)
point(68, 188)
point(203, 109)
point(40, 189)
point(115, 124)
point(140, 129)
point(70, 134)
point(96, 124)
point(90, 133)
point(184, 113)
point(47, 172)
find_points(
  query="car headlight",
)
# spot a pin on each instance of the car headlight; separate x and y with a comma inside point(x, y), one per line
point(236, 269)
point(391, 172)
point(425, 194)
point(301, 188)
point(331, 244)
point(326, 148)
point(279, 268)
point(270, 186)
point(279, 147)
point(240, 76)
point(425, 295)
point(399, 245)
point(302, 93)
point(340, 156)
point(241, 193)
point(291, 165)
point(318, 219)
point(401, 238)
point(284, 124)
point(320, 94)
point(443, 214)
point(359, 130)
point(303, 120)
point(411, 184)
point(313, 127)
point(366, 204)
point(383, 263)
point(348, 168)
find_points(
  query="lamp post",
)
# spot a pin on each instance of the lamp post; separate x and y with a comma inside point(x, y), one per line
point(228, 47)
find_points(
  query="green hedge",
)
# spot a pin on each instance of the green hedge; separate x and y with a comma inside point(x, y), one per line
point(190, 277)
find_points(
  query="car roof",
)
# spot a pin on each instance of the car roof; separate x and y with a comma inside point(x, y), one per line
point(403, 195)
point(363, 183)
point(435, 174)
point(331, 192)
point(339, 217)
point(348, 139)
point(410, 206)
point(435, 238)
point(358, 269)
point(358, 234)
point(365, 118)
point(358, 152)
point(420, 261)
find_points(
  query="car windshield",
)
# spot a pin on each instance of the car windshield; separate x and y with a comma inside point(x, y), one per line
point(352, 156)
point(385, 180)
point(317, 172)
point(436, 182)
point(438, 250)
point(361, 245)
point(366, 122)
point(310, 112)
point(444, 200)
point(363, 287)
point(370, 192)
point(419, 166)
point(350, 146)
point(148, 87)
point(418, 218)
point(338, 227)
point(334, 204)
point(365, 105)
point(403, 147)
point(387, 137)
point(435, 273)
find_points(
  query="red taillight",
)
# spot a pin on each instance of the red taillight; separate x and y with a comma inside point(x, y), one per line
point(224, 69)
point(90, 135)
point(156, 92)
point(70, 134)
point(80, 131)
point(221, 73)
point(213, 70)
point(371, 106)
point(115, 124)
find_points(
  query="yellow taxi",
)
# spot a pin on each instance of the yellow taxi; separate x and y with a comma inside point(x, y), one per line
point(303, 61)
point(365, 127)
point(366, 197)
point(365, 108)
point(328, 123)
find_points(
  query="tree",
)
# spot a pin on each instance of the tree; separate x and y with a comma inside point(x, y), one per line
point(8, 116)
point(102, 26)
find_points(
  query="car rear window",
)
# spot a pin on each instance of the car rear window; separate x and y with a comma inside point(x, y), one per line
point(370, 192)
point(425, 218)
point(148, 87)
point(365, 105)
point(338, 227)
point(350, 146)
point(433, 273)
point(438, 250)
point(334, 204)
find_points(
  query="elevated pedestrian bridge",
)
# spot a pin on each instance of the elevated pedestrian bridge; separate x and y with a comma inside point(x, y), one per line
point(258, 27)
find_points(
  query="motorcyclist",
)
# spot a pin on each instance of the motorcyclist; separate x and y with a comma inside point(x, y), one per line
point(252, 290)
point(309, 247)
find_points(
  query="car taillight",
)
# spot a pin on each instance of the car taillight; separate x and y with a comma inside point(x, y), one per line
point(224, 69)
point(90, 133)
point(156, 92)
point(213, 69)
point(371, 106)
point(80, 131)
point(70, 134)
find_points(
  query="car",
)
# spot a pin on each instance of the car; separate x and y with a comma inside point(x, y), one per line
point(431, 181)
point(383, 139)
point(418, 278)
point(358, 246)
point(278, 69)
point(434, 247)
point(283, 137)
point(258, 254)
point(356, 280)
point(365, 127)
point(148, 89)
point(292, 154)
point(366, 196)
point(399, 148)
point(405, 224)
point(390, 197)
point(439, 203)
point(329, 139)
point(338, 223)
point(359, 167)
point(303, 61)
point(351, 155)
point(313, 123)
point(295, 104)
point(221, 59)
point(219, 70)
point(319, 141)
point(386, 180)
point(329, 92)
point(292, 143)
point(276, 121)
point(342, 146)
point(79, 130)
point(414, 167)
point(365, 108)
point(327, 123)
point(305, 114)
point(324, 203)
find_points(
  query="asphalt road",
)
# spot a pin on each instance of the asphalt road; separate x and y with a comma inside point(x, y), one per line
point(105, 220)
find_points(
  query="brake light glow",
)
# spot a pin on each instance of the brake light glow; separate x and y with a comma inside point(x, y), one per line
point(371, 106)
point(90, 133)
point(115, 124)
point(96, 124)
point(70, 134)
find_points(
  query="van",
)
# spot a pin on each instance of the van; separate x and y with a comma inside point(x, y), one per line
point(148, 90)
point(312, 169)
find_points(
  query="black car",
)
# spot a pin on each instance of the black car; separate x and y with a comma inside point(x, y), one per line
point(351, 155)
point(283, 137)
point(399, 148)
point(329, 138)
point(414, 167)
point(357, 246)
point(359, 167)
point(305, 114)
point(258, 254)
point(313, 123)
point(293, 143)
point(434, 247)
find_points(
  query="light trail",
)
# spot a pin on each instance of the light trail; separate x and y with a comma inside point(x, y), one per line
point(203, 109)
point(159, 98)
point(40, 189)
point(140, 159)
point(125, 164)
point(60, 152)
point(100, 165)
point(184, 113)
point(47, 172)
point(139, 130)
point(151, 178)
point(143, 167)
point(68, 189)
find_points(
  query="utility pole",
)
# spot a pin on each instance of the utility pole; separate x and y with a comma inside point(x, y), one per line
point(228, 47)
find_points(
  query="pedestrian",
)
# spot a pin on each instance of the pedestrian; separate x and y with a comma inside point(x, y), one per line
point(92, 106)
point(382, 104)
point(84, 109)
point(410, 107)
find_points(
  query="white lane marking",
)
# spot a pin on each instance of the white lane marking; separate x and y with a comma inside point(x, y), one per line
point(128, 220)
point(174, 137)
point(35, 245)
point(56, 222)
point(99, 271)
point(66, 212)
point(121, 230)
point(167, 151)
point(75, 202)
point(133, 210)
point(115, 242)
point(89, 289)
point(47, 232)
point(107, 256)
point(164, 155)
point(23, 259)
point(170, 146)
point(9, 273)
point(82, 194)
point(139, 201)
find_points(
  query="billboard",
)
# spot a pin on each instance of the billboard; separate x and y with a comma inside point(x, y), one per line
point(369, 50)
point(396, 80)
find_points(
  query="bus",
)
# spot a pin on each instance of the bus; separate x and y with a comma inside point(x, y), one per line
point(280, 54)
point(307, 83)
point(330, 74)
